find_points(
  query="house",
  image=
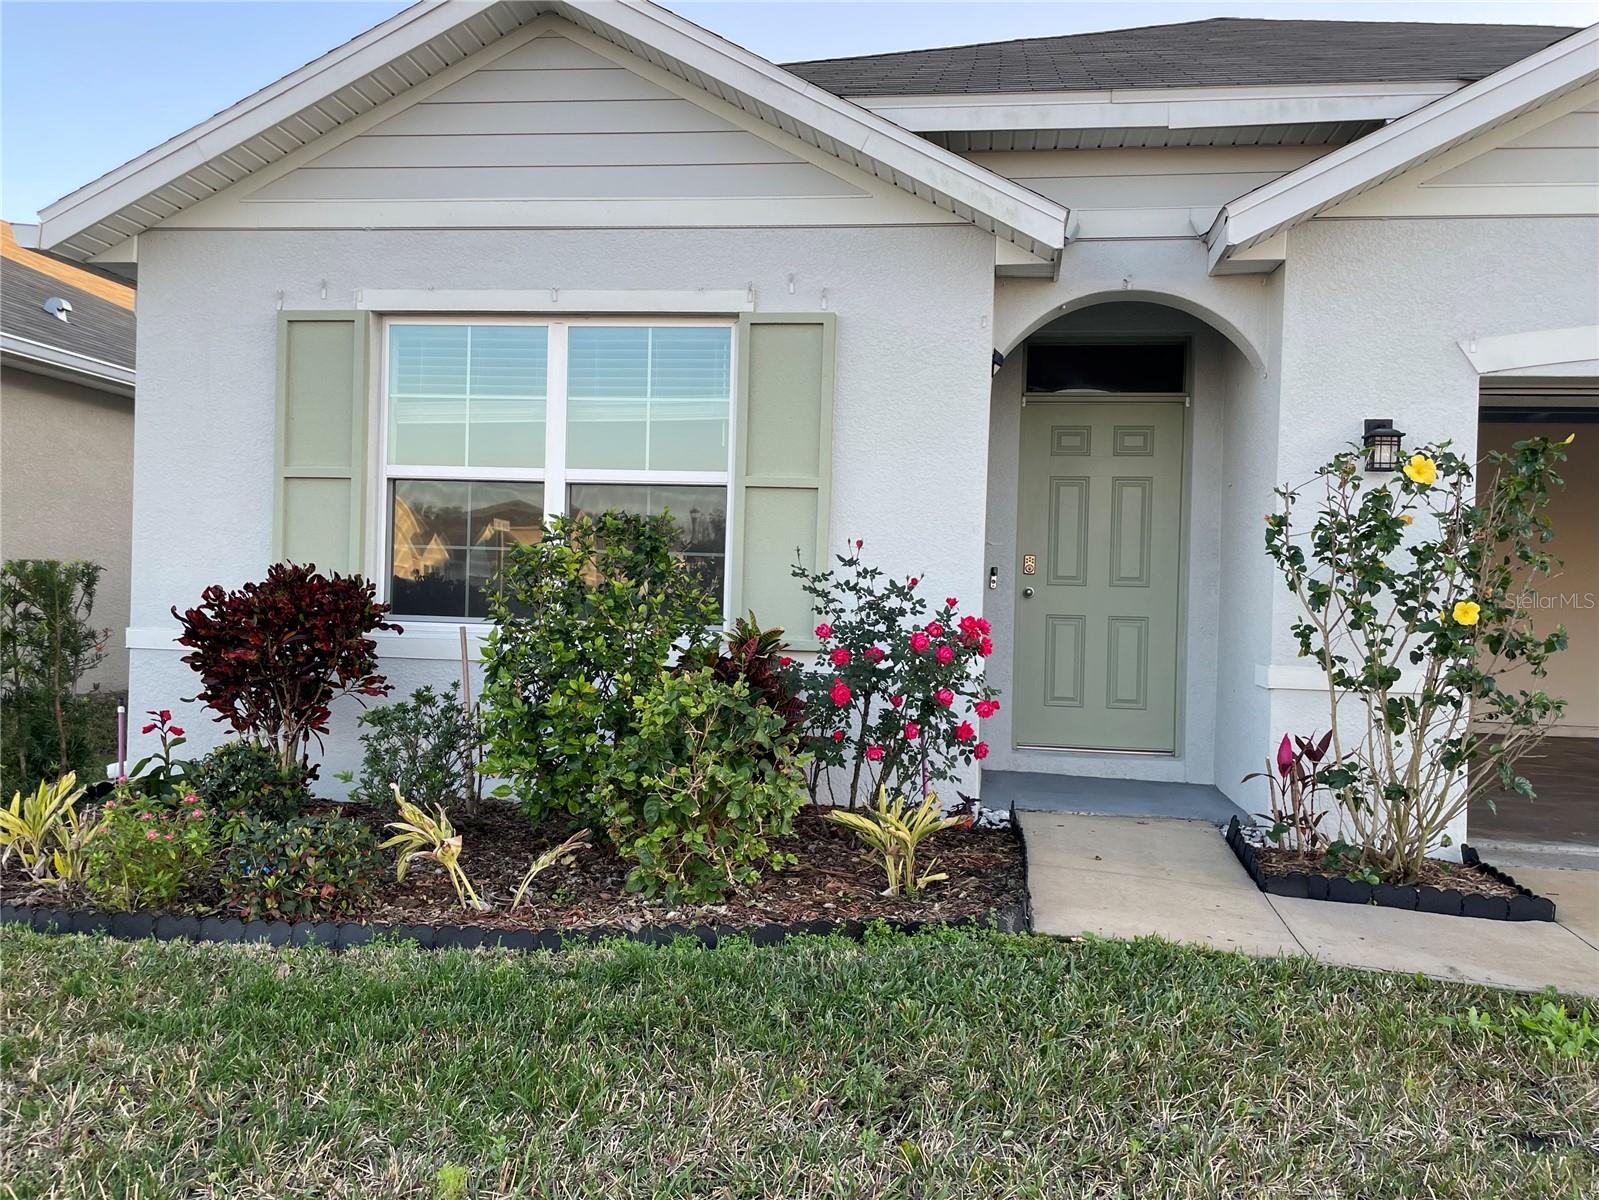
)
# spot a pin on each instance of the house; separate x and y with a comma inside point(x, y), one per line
point(1044, 321)
point(66, 412)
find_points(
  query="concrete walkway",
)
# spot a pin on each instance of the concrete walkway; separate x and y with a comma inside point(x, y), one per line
point(1125, 877)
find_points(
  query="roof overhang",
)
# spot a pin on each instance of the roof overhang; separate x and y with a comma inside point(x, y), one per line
point(1159, 109)
point(1241, 237)
point(434, 35)
point(43, 359)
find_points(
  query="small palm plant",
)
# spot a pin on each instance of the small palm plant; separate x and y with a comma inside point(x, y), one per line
point(43, 829)
point(578, 841)
point(894, 830)
point(420, 835)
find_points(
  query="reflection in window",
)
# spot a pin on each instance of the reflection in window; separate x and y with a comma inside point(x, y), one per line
point(648, 397)
point(451, 539)
point(700, 513)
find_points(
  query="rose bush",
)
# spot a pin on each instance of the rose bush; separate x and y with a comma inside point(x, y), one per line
point(889, 698)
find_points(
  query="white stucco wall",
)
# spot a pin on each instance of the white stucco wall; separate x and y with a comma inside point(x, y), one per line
point(1373, 314)
point(914, 338)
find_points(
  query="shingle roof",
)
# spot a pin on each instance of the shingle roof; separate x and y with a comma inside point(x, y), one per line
point(1220, 52)
point(96, 327)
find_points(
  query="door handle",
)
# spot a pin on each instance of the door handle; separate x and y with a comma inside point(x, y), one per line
point(1027, 593)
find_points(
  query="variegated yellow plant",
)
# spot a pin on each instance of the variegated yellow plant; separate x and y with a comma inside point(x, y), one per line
point(578, 841)
point(894, 830)
point(420, 835)
point(37, 828)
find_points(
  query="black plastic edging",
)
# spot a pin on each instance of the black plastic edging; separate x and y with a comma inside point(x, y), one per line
point(1447, 901)
point(169, 927)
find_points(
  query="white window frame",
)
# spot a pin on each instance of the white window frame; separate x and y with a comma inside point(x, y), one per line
point(554, 474)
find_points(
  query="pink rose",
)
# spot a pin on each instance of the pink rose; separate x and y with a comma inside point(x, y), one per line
point(980, 750)
point(840, 693)
point(987, 708)
point(934, 629)
point(945, 654)
point(875, 654)
point(912, 731)
point(838, 735)
point(944, 696)
point(874, 753)
point(840, 657)
point(824, 630)
point(920, 642)
point(964, 732)
point(896, 701)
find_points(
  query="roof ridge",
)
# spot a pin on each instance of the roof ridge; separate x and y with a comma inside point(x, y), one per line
point(1055, 37)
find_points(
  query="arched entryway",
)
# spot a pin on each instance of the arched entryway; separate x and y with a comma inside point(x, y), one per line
point(1131, 455)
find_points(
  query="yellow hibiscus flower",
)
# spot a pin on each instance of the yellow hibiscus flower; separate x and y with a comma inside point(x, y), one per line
point(1406, 519)
point(1421, 469)
point(1466, 612)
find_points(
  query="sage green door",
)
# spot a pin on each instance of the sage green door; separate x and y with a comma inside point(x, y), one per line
point(1099, 522)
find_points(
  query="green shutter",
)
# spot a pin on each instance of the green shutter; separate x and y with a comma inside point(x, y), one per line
point(320, 514)
point(782, 465)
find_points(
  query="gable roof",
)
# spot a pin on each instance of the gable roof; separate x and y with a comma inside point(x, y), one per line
point(1570, 63)
point(434, 35)
point(1220, 52)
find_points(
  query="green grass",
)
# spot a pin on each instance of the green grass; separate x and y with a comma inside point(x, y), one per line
point(948, 1065)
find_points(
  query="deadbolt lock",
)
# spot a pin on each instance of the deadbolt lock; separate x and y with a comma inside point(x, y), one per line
point(1029, 564)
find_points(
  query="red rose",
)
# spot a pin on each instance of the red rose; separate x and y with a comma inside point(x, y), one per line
point(840, 657)
point(934, 629)
point(985, 647)
point(875, 654)
point(896, 701)
point(785, 661)
point(838, 735)
point(980, 750)
point(945, 654)
point(912, 731)
point(987, 708)
point(875, 753)
point(944, 696)
point(840, 693)
point(951, 601)
point(920, 642)
point(964, 732)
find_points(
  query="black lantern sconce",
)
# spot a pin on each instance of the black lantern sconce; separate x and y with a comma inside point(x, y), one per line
point(1384, 446)
point(999, 361)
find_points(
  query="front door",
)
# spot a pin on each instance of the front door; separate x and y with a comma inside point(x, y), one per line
point(1098, 556)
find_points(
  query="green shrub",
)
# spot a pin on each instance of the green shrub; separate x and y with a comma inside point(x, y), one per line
point(426, 745)
point(147, 851)
point(588, 619)
point(47, 644)
point(240, 779)
point(305, 867)
point(695, 789)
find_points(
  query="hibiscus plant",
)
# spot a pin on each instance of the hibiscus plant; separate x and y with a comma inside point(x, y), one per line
point(1409, 592)
point(892, 697)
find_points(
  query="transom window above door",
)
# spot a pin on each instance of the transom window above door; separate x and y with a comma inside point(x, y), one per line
point(491, 426)
point(1106, 368)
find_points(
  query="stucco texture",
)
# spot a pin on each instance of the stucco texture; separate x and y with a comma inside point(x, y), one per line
point(66, 461)
point(910, 429)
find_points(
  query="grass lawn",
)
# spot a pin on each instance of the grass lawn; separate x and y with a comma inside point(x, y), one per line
point(947, 1065)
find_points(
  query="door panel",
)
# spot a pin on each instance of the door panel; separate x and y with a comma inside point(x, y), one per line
point(1100, 511)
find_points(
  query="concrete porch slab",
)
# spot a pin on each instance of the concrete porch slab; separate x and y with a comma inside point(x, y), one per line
point(1127, 877)
point(1525, 955)
point(1124, 877)
point(1037, 792)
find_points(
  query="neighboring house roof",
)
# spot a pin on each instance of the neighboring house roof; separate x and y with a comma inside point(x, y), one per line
point(1570, 63)
point(1221, 52)
point(94, 345)
point(434, 35)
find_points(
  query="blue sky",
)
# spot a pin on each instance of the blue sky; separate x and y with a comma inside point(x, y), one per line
point(86, 85)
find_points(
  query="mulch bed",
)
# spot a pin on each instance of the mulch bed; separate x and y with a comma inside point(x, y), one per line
point(1469, 888)
point(834, 883)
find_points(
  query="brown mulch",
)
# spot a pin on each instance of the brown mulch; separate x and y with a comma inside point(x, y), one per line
point(1436, 873)
point(833, 881)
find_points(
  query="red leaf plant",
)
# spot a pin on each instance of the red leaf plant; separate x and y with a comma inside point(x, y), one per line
point(274, 655)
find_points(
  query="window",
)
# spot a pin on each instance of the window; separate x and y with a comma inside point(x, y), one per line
point(1090, 369)
point(491, 426)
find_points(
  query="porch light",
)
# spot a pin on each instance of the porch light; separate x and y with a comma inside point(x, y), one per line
point(1384, 446)
point(999, 361)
